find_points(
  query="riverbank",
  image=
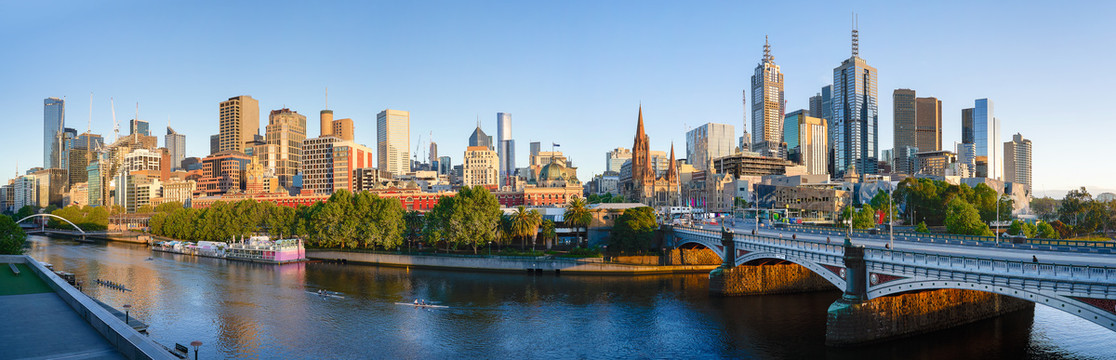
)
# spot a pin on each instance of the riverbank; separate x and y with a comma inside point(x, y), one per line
point(541, 264)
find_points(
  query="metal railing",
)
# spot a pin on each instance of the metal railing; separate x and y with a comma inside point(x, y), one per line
point(948, 238)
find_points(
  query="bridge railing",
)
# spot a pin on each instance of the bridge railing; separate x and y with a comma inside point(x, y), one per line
point(785, 243)
point(949, 238)
point(891, 259)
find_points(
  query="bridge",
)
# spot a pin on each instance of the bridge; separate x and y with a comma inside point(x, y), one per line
point(1078, 281)
point(43, 229)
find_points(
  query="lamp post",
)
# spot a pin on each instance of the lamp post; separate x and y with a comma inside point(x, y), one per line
point(126, 308)
point(195, 344)
point(998, 200)
point(891, 219)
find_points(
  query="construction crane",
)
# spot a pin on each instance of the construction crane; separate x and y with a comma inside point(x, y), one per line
point(115, 125)
point(418, 144)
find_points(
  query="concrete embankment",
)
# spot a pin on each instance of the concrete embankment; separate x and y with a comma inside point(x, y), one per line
point(505, 263)
point(767, 279)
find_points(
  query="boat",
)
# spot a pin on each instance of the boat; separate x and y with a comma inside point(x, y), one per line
point(254, 249)
point(323, 294)
point(429, 306)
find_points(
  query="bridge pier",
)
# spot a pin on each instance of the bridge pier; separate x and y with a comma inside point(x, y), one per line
point(732, 280)
point(855, 320)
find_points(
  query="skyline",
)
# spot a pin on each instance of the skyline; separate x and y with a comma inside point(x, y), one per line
point(574, 77)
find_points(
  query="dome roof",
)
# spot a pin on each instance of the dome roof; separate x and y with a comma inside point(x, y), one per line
point(552, 171)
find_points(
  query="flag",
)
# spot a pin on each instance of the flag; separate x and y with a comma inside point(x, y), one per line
point(555, 144)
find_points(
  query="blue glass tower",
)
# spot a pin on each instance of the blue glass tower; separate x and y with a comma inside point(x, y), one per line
point(54, 109)
point(855, 120)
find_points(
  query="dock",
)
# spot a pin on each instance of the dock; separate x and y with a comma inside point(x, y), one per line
point(140, 326)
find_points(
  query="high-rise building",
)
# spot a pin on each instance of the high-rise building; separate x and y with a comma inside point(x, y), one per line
point(767, 102)
point(1017, 161)
point(616, 158)
point(505, 146)
point(433, 158)
point(54, 113)
point(855, 139)
point(980, 127)
point(707, 142)
point(903, 113)
point(535, 148)
point(240, 122)
point(343, 129)
point(286, 131)
point(393, 141)
point(928, 124)
point(480, 138)
point(139, 127)
point(176, 147)
point(445, 165)
point(807, 141)
point(222, 173)
point(214, 143)
point(481, 167)
point(328, 164)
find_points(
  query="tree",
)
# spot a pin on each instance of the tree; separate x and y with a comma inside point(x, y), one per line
point(1045, 231)
point(865, 218)
point(547, 232)
point(1015, 228)
point(525, 223)
point(962, 218)
point(921, 228)
point(1063, 230)
point(12, 237)
point(882, 202)
point(634, 230)
point(25, 211)
point(1074, 205)
point(1045, 207)
point(146, 209)
point(577, 215)
point(414, 223)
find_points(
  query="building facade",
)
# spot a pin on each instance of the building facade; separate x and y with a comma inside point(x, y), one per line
point(807, 141)
point(616, 158)
point(286, 131)
point(707, 142)
point(1017, 161)
point(853, 129)
point(222, 173)
point(767, 102)
point(928, 123)
point(240, 123)
point(640, 183)
point(393, 141)
point(505, 146)
point(54, 112)
point(176, 147)
point(481, 168)
point(981, 128)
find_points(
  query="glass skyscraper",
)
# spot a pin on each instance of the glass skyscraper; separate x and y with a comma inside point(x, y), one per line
point(393, 141)
point(855, 120)
point(505, 146)
point(980, 127)
point(707, 142)
point(54, 110)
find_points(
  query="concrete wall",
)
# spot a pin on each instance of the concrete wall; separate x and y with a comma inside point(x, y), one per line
point(503, 263)
point(766, 279)
point(694, 257)
point(127, 341)
point(904, 315)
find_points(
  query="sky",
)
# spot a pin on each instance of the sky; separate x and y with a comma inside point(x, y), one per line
point(570, 72)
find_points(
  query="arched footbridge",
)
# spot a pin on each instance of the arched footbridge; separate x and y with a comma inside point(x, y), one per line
point(1079, 283)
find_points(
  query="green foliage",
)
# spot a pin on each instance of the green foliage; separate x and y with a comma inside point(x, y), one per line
point(577, 215)
point(12, 237)
point(606, 198)
point(921, 228)
point(25, 211)
point(962, 218)
point(525, 223)
point(584, 253)
point(1046, 208)
point(547, 231)
point(88, 218)
point(1063, 230)
point(472, 218)
point(1045, 231)
point(865, 218)
point(634, 230)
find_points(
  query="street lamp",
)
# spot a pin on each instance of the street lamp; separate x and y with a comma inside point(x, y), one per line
point(998, 200)
point(891, 218)
point(195, 344)
point(126, 308)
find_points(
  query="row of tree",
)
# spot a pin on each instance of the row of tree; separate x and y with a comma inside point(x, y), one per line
point(1077, 214)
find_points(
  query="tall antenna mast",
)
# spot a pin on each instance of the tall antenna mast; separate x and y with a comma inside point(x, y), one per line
point(115, 124)
point(855, 36)
point(90, 128)
point(327, 97)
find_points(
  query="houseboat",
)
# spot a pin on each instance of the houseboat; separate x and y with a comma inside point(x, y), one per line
point(255, 249)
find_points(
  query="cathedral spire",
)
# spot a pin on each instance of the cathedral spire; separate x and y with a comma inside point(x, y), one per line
point(639, 127)
point(672, 173)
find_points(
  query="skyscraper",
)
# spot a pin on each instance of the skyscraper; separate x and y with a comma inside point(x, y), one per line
point(855, 120)
point(505, 146)
point(707, 142)
point(479, 138)
point(1017, 161)
point(928, 124)
point(980, 127)
point(616, 158)
point(240, 122)
point(54, 112)
point(214, 143)
point(433, 156)
point(286, 131)
point(535, 148)
point(393, 141)
point(176, 147)
point(903, 114)
point(807, 141)
point(137, 126)
point(767, 103)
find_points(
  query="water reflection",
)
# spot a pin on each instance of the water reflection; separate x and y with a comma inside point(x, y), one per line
point(244, 310)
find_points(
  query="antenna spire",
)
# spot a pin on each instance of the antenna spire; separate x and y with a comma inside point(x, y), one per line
point(767, 58)
point(327, 97)
point(855, 36)
point(90, 129)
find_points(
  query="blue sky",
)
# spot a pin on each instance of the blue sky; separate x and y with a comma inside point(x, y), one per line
point(570, 72)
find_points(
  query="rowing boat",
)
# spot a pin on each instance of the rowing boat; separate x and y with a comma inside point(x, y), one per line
point(326, 295)
point(431, 306)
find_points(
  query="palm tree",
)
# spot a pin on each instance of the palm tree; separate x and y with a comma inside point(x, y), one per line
point(577, 215)
point(546, 230)
point(525, 223)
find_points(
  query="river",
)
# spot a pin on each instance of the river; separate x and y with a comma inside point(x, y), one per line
point(245, 310)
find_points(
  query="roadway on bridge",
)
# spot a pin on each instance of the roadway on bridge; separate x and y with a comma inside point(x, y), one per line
point(974, 251)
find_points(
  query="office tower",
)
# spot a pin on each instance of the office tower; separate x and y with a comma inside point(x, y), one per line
point(535, 148)
point(807, 141)
point(707, 142)
point(903, 107)
point(222, 173)
point(616, 158)
point(214, 143)
point(1017, 161)
point(393, 141)
point(481, 167)
point(966, 158)
point(505, 146)
point(343, 129)
point(240, 122)
point(855, 120)
point(54, 113)
point(980, 127)
point(285, 131)
point(767, 103)
point(176, 147)
point(928, 124)
point(139, 127)
point(433, 158)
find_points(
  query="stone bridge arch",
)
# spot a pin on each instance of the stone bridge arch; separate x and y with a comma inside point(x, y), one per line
point(831, 274)
point(56, 217)
point(1098, 311)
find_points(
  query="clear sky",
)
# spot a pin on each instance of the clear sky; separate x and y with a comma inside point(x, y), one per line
point(570, 72)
